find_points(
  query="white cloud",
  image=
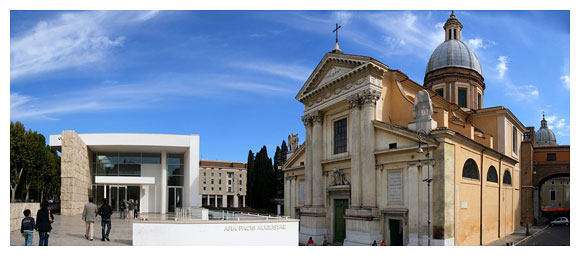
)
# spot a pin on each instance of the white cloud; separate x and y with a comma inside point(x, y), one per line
point(342, 17)
point(294, 72)
point(565, 81)
point(409, 33)
point(475, 43)
point(501, 66)
point(69, 40)
point(523, 92)
point(479, 43)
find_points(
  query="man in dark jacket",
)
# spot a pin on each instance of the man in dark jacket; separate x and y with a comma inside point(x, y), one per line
point(105, 211)
point(123, 209)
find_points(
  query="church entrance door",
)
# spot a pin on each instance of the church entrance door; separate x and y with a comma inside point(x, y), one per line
point(396, 232)
point(340, 206)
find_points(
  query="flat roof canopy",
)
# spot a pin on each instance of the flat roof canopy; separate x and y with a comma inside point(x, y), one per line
point(124, 180)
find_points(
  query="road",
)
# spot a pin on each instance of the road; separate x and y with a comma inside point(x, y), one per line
point(558, 235)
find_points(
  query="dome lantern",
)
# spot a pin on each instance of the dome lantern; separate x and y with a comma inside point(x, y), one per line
point(545, 136)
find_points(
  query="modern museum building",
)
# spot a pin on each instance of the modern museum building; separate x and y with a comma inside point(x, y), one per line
point(159, 170)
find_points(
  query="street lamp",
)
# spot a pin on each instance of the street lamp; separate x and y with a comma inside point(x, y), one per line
point(422, 136)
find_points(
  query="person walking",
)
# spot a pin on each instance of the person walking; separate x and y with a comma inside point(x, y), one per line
point(374, 243)
point(44, 219)
point(105, 212)
point(27, 227)
point(383, 243)
point(131, 209)
point(89, 216)
point(123, 209)
point(136, 209)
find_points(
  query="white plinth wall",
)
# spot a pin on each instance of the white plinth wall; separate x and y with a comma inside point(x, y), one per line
point(284, 232)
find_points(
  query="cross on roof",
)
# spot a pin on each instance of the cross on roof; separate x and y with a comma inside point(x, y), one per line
point(336, 31)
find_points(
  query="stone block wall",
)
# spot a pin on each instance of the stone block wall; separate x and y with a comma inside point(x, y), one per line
point(75, 174)
point(16, 213)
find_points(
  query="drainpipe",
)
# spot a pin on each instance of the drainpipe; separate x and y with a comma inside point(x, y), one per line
point(481, 200)
point(499, 199)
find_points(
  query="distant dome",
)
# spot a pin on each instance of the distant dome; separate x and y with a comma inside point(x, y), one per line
point(545, 136)
point(453, 53)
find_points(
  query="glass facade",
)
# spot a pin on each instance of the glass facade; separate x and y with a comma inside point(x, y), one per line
point(175, 169)
point(121, 164)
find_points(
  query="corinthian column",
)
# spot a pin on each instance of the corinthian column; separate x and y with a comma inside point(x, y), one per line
point(317, 185)
point(353, 143)
point(367, 151)
point(308, 164)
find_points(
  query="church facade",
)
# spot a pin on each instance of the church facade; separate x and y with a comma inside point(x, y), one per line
point(386, 158)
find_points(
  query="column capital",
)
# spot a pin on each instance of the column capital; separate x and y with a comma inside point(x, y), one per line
point(317, 117)
point(307, 120)
point(369, 96)
point(354, 101)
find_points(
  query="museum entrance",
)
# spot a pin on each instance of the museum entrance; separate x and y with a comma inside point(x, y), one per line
point(115, 194)
point(175, 198)
point(340, 206)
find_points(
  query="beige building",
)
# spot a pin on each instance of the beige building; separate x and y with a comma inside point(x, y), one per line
point(387, 158)
point(222, 184)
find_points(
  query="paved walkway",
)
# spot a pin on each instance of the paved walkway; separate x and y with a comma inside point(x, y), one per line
point(518, 236)
point(70, 230)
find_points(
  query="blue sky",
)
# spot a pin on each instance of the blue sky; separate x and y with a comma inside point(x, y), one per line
point(231, 76)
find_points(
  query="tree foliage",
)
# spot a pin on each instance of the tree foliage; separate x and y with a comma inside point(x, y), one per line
point(261, 186)
point(34, 166)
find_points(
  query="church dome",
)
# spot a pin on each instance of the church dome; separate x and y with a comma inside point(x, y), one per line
point(453, 53)
point(545, 136)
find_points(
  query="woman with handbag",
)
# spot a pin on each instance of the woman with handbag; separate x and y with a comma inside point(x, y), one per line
point(43, 220)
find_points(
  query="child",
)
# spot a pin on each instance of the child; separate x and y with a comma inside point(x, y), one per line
point(27, 227)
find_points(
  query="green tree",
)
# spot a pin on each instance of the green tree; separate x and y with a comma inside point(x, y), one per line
point(17, 132)
point(283, 153)
point(250, 180)
point(265, 180)
point(34, 166)
point(34, 160)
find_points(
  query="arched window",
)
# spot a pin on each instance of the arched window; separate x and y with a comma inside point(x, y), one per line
point(492, 174)
point(470, 169)
point(507, 177)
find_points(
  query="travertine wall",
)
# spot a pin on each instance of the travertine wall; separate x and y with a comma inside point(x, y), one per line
point(17, 213)
point(75, 174)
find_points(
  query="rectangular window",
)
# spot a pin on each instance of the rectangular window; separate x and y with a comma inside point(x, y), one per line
point(240, 182)
point(340, 134)
point(479, 102)
point(212, 181)
point(515, 139)
point(220, 181)
point(553, 195)
point(462, 97)
point(151, 158)
point(203, 180)
point(440, 92)
point(392, 145)
point(551, 157)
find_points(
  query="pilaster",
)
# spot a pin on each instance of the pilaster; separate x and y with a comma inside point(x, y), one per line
point(368, 99)
point(317, 185)
point(354, 145)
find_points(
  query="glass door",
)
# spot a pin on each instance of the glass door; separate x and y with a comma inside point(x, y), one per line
point(116, 195)
point(175, 198)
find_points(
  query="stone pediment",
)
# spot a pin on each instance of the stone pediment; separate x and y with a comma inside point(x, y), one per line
point(334, 67)
point(334, 73)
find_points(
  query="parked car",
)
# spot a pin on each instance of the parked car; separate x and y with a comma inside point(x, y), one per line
point(560, 221)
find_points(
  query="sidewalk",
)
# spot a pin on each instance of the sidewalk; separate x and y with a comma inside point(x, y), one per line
point(518, 236)
point(70, 230)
